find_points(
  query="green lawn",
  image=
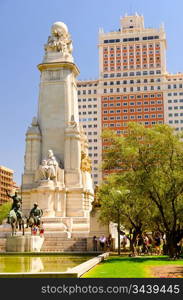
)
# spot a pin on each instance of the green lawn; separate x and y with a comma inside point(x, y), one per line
point(129, 267)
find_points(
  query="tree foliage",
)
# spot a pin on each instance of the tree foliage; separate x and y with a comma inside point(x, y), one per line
point(120, 205)
point(4, 210)
point(149, 163)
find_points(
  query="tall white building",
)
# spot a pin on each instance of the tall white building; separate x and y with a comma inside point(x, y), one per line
point(90, 117)
point(133, 86)
point(173, 95)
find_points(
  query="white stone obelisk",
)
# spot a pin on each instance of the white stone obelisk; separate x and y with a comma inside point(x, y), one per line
point(57, 167)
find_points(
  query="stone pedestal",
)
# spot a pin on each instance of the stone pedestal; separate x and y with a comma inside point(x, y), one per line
point(25, 243)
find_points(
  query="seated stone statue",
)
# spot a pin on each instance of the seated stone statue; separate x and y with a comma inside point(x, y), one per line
point(52, 165)
point(43, 170)
point(50, 169)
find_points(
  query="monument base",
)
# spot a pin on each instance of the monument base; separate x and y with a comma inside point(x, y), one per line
point(67, 227)
point(25, 243)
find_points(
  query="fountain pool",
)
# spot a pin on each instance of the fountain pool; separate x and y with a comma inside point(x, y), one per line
point(13, 263)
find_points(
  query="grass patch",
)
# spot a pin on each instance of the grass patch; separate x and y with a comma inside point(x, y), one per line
point(129, 267)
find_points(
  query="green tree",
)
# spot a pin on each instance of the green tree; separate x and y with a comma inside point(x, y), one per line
point(4, 210)
point(120, 205)
point(150, 163)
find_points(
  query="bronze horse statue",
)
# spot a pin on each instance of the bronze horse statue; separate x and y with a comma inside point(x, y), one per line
point(33, 221)
point(15, 222)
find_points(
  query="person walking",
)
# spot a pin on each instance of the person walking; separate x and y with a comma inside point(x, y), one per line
point(102, 241)
point(139, 244)
point(109, 242)
point(94, 243)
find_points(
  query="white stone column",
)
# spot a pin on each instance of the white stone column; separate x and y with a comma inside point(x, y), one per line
point(75, 150)
point(27, 166)
point(67, 155)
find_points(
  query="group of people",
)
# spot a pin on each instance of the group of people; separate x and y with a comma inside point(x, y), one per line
point(102, 243)
point(148, 244)
point(144, 244)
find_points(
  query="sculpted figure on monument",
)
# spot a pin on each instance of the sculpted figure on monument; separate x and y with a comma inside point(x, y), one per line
point(49, 169)
point(59, 41)
point(43, 170)
point(52, 165)
point(85, 162)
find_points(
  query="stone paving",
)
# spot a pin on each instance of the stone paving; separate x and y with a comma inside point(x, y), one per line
point(167, 271)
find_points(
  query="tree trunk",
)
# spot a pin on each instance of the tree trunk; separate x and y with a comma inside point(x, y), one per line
point(132, 245)
point(133, 239)
point(172, 239)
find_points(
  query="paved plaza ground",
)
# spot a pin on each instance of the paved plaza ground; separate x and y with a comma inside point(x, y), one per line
point(137, 267)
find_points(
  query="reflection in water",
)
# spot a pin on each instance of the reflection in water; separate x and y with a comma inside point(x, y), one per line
point(34, 264)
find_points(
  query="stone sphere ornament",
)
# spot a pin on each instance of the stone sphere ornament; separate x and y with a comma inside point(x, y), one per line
point(59, 28)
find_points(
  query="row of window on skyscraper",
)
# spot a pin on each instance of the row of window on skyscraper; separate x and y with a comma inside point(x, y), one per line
point(126, 74)
point(131, 89)
point(144, 38)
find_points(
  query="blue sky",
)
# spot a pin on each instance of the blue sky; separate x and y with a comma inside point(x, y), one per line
point(24, 28)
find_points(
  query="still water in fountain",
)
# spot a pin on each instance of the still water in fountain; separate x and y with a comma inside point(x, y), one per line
point(46, 263)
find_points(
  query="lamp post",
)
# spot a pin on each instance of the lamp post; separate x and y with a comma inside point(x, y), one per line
point(115, 194)
point(121, 195)
point(118, 220)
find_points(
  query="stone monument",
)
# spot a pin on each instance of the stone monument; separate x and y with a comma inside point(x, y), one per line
point(57, 171)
